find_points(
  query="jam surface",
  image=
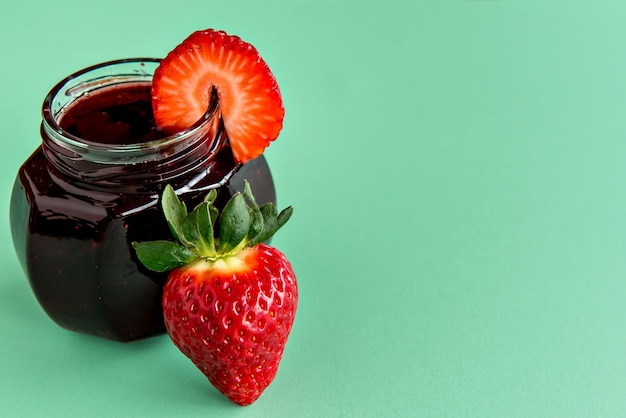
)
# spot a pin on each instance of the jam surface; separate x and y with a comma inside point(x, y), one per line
point(113, 115)
point(74, 242)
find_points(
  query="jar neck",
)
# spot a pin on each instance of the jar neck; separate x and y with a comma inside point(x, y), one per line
point(135, 165)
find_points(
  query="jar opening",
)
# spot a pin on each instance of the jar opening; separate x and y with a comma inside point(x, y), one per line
point(112, 76)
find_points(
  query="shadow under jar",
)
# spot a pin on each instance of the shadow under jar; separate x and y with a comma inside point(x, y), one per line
point(92, 188)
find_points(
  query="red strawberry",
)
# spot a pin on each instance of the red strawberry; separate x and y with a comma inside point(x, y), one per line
point(248, 94)
point(230, 301)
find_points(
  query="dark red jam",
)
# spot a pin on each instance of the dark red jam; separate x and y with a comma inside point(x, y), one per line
point(73, 220)
point(116, 115)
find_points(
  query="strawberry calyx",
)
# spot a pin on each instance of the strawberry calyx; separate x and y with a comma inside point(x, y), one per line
point(206, 234)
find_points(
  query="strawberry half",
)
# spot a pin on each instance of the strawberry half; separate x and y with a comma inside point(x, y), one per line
point(248, 95)
point(230, 301)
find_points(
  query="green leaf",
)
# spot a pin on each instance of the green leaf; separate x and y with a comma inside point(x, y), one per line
point(209, 200)
point(247, 192)
point(256, 223)
point(272, 222)
point(203, 227)
point(234, 223)
point(214, 213)
point(188, 232)
point(210, 197)
point(163, 256)
point(175, 213)
point(283, 217)
point(270, 214)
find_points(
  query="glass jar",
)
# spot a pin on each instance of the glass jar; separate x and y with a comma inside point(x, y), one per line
point(78, 203)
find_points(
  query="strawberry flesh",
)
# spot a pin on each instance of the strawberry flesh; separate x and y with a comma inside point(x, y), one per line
point(248, 95)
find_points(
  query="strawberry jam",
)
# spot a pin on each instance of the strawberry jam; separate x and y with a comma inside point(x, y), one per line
point(115, 115)
point(91, 188)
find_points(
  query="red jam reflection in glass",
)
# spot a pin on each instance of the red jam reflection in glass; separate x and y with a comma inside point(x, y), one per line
point(85, 194)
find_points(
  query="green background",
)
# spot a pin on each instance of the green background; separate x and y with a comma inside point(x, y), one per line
point(457, 170)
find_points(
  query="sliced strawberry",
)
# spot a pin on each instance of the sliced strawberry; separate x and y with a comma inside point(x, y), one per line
point(248, 95)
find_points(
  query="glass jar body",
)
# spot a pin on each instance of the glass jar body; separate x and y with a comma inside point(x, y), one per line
point(77, 206)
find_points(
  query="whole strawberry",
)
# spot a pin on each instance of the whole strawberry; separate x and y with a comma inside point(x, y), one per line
point(229, 301)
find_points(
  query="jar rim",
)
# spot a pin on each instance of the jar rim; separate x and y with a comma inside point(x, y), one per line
point(67, 139)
